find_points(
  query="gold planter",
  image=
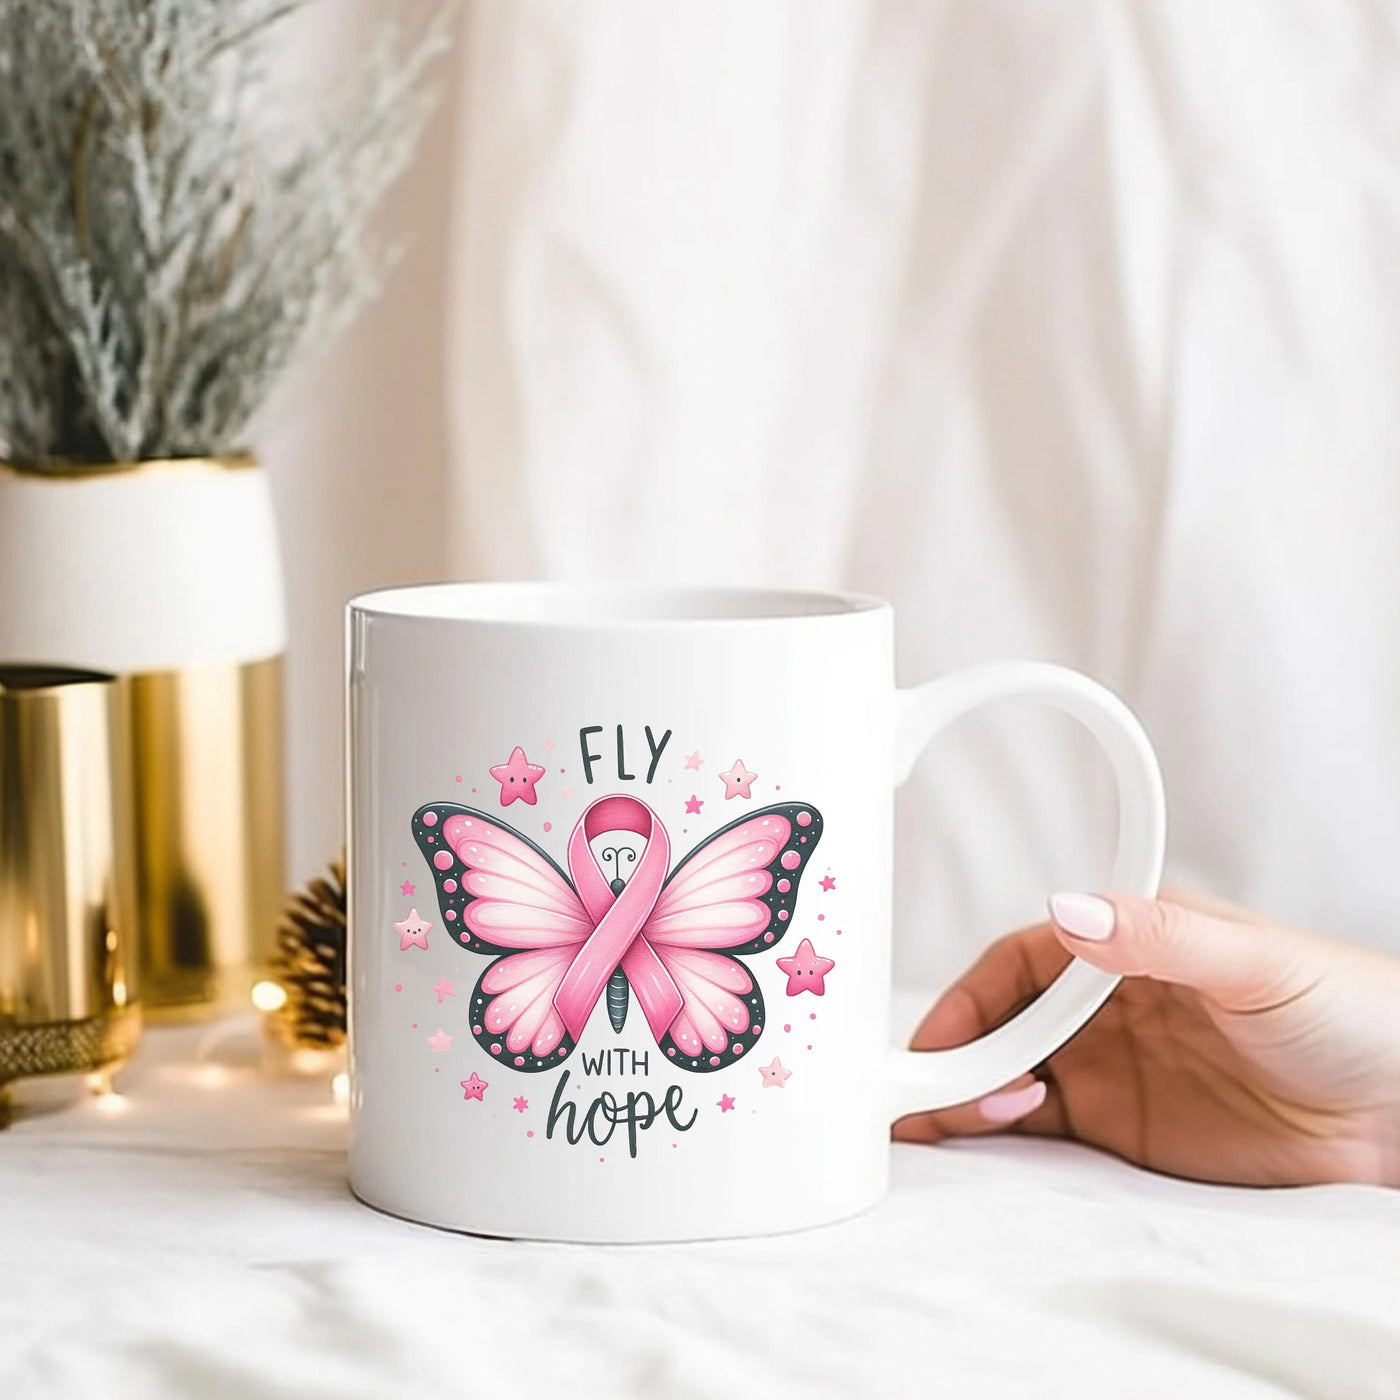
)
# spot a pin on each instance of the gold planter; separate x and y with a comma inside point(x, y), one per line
point(207, 759)
point(167, 575)
point(68, 964)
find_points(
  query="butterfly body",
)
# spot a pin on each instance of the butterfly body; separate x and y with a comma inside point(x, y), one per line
point(618, 999)
point(670, 938)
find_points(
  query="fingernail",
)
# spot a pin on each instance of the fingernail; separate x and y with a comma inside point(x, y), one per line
point(1083, 915)
point(1011, 1104)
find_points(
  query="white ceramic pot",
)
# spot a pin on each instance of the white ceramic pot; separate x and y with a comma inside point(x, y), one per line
point(148, 567)
point(167, 574)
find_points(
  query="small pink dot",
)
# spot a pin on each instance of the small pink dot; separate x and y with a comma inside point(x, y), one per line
point(476, 1030)
point(459, 777)
point(767, 937)
point(784, 886)
point(405, 862)
point(782, 915)
point(450, 886)
point(803, 839)
point(415, 1025)
point(777, 787)
point(520, 1059)
point(809, 1047)
point(600, 1159)
point(813, 1016)
point(429, 818)
point(443, 860)
point(838, 933)
point(714, 1059)
point(473, 789)
point(495, 1049)
point(738, 1049)
point(821, 918)
point(804, 819)
point(529, 1132)
point(674, 1144)
point(562, 770)
point(787, 1028)
point(437, 1071)
point(451, 914)
point(398, 986)
point(549, 826)
point(671, 1050)
point(791, 860)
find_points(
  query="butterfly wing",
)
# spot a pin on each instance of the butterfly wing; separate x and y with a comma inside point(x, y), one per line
point(501, 894)
point(733, 895)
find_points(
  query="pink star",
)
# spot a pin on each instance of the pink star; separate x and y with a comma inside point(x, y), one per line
point(440, 1042)
point(521, 1105)
point(806, 970)
point(517, 777)
point(693, 762)
point(413, 932)
point(406, 887)
point(725, 1103)
point(694, 804)
point(475, 1087)
point(774, 1075)
point(548, 746)
point(737, 780)
point(444, 988)
point(566, 793)
point(827, 883)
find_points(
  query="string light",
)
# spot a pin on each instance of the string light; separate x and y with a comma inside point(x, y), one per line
point(340, 1087)
point(269, 996)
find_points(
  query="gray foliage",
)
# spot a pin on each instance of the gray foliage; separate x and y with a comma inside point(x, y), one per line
point(163, 256)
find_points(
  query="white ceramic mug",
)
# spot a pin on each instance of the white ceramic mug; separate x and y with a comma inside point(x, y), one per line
point(620, 887)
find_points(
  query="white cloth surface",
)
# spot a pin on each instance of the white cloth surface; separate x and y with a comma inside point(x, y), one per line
point(203, 1243)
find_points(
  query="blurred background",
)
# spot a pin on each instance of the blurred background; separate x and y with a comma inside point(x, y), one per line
point(1071, 328)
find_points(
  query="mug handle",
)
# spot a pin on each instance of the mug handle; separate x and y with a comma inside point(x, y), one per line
point(921, 1081)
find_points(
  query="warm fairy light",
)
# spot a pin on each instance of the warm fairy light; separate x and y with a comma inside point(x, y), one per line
point(340, 1087)
point(119, 992)
point(110, 1102)
point(268, 996)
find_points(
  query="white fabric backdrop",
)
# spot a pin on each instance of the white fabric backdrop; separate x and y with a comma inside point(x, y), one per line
point(1070, 327)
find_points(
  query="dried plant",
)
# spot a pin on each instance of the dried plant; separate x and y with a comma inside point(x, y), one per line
point(164, 256)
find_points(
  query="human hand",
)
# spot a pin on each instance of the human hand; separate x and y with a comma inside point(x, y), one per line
point(1235, 1050)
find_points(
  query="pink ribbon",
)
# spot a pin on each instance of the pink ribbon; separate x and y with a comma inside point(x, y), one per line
point(618, 919)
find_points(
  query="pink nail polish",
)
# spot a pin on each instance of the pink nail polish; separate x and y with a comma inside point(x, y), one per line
point(1083, 915)
point(1011, 1104)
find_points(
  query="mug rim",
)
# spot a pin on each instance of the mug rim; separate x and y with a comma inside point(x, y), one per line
point(541, 604)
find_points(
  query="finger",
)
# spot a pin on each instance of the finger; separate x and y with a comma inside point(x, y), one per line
point(1009, 1109)
point(1013, 971)
point(1239, 966)
point(1211, 904)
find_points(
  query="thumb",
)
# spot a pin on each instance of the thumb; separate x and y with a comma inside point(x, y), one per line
point(1240, 966)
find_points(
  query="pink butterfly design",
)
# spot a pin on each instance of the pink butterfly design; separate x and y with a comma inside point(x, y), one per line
point(672, 938)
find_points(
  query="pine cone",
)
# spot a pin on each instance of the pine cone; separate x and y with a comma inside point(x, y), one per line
point(310, 964)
